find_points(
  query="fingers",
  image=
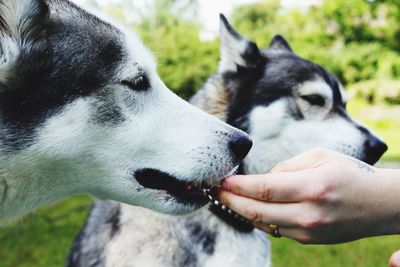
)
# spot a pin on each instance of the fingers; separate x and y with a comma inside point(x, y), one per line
point(296, 234)
point(309, 159)
point(395, 259)
point(277, 187)
point(257, 211)
point(264, 227)
point(290, 181)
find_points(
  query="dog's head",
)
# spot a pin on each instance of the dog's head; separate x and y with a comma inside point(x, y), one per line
point(83, 110)
point(287, 104)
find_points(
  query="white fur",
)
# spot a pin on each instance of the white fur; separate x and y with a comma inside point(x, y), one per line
point(72, 154)
point(231, 50)
point(12, 12)
point(10, 40)
point(345, 95)
point(315, 87)
point(229, 249)
point(276, 132)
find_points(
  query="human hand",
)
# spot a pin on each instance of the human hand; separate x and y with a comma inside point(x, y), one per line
point(394, 260)
point(319, 196)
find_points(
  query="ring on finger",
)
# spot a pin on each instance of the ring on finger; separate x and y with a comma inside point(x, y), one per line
point(274, 230)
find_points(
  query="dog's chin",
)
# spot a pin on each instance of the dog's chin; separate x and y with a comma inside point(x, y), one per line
point(187, 196)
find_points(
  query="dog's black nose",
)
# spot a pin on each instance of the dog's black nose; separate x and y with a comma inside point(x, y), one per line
point(374, 149)
point(240, 146)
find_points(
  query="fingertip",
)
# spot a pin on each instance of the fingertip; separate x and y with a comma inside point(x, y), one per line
point(227, 182)
point(225, 185)
point(395, 259)
point(223, 197)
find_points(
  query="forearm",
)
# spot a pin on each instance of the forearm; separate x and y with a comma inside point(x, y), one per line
point(373, 206)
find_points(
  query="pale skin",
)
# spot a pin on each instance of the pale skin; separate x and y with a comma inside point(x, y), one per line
point(319, 197)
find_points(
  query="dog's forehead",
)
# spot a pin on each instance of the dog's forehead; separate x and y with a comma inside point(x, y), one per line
point(291, 74)
point(99, 33)
point(329, 89)
point(285, 71)
point(315, 86)
point(137, 52)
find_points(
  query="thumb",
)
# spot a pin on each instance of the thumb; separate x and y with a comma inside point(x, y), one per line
point(309, 159)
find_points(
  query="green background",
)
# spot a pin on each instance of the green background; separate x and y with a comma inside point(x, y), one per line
point(357, 40)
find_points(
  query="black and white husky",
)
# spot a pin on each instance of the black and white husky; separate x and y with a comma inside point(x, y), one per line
point(83, 110)
point(287, 105)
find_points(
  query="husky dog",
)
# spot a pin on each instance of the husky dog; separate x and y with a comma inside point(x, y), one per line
point(83, 110)
point(287, 105)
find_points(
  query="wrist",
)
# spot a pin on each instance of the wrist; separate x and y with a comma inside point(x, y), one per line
point(388, 201)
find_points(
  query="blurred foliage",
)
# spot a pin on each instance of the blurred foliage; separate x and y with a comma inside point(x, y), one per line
point(377, 91)
point(184, 61)
point(358, 40)
point(376, 103)
point(171, 30)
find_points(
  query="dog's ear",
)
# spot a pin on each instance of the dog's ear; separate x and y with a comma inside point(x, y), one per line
point(236, 50)
point(21, 23)
point(279, 43)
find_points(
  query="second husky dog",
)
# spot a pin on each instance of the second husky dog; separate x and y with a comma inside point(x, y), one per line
point(287, 105)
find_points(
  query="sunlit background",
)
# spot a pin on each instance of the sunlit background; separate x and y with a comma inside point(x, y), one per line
point(358, 40)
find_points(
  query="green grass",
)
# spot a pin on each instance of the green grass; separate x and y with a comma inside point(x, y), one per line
point(371, 252)
point(44, 239)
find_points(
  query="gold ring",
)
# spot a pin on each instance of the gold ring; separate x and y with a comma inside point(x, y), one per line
point(274, 230)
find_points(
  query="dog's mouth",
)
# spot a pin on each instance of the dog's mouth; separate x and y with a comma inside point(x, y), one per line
point(186, 192)
point(192, 193)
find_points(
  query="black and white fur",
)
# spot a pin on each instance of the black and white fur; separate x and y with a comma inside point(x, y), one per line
point(287, 105)
point(83, 110)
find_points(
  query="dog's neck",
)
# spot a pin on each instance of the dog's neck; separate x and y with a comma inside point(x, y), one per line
point(213, 98)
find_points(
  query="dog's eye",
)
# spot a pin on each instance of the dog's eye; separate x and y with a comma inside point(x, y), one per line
point(140, 83)
point(315, 100)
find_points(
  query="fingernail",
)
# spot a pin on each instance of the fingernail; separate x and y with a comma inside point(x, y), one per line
point(225, 186)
